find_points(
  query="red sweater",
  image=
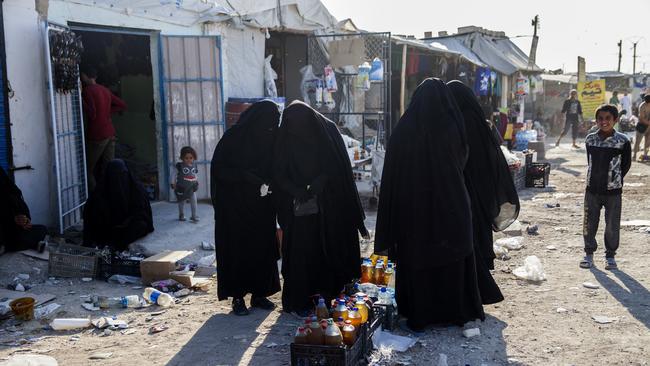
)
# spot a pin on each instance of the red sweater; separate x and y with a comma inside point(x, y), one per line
point(99, 103)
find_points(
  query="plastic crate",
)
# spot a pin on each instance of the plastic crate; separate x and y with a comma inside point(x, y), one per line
point(116, 265)
point(519, 176)
point(375, 320)
point(389, 316)
point(69, 260)
point(537, 175)
point(316, 355)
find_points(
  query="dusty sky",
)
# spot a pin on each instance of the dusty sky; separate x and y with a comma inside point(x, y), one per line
point(569, 28)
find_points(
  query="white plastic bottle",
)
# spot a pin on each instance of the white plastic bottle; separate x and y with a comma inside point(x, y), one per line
point(131, 301)
point(157, 297)
point(70, 323)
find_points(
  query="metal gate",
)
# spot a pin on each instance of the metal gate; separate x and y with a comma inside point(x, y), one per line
point(69, 148)
point(192, 101)
point(366, 113)
point(5, 129)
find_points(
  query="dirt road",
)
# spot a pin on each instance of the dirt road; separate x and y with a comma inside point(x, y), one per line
point(538, 324)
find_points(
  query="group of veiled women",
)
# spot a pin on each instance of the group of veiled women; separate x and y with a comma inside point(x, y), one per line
point(445, 188)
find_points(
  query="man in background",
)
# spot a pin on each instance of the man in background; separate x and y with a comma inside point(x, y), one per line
point(99, 104)
point(573, 113)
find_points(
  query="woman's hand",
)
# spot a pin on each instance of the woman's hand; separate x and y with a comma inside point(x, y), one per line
point(23, 221)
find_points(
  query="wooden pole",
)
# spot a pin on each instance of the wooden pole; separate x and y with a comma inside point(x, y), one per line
point(402, 92)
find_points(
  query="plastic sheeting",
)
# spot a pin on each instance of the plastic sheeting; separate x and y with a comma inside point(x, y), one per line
point(300, 15)
point(456, 46)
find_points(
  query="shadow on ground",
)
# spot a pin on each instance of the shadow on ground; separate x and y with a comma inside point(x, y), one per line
point(634, 296)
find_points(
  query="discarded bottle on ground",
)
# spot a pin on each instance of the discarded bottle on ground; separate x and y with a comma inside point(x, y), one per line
point(154, 296)
point(131, 301)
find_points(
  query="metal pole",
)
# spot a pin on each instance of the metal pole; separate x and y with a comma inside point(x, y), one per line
point(402, 91)
point(634, 60)
point(620, 54)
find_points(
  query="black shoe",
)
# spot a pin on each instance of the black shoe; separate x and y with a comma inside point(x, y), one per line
point(262, 303)
point(239, 307)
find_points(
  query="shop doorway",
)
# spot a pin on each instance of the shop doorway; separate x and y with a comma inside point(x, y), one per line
point(289, 52)
point(123, 64)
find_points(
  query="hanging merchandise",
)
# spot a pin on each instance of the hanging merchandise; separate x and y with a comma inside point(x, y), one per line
point(330, 79)
point(270, 90)
point(363, 77)
point(65, 52)
point(308, 85)
point(482, 85)
point(377, 70)
point(523, 86)
point(328, 100)
point(319, 93)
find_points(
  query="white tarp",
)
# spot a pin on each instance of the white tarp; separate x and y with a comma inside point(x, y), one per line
point(299, 15)
point(455, 45)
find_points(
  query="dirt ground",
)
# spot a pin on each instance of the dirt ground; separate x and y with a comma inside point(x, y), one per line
point(538, 324)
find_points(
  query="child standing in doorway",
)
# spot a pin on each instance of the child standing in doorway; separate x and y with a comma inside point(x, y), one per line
point(609, 157)
point(187, 183)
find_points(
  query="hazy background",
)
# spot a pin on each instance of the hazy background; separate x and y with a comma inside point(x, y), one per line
point(569, 28)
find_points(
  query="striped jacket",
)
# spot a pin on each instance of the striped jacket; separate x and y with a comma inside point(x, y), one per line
point(609, 161)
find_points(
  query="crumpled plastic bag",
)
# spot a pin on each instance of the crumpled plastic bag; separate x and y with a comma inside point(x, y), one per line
point(532, 270)
point(207, 261)
point(386, 340)
point(514, 243)
point(501, 252)
point(270, 90)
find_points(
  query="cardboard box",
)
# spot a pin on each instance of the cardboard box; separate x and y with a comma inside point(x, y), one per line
point(189, 279)
point(158, 267)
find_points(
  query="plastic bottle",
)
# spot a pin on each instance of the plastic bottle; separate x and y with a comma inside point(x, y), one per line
point(355, 317)
point(388, 274)
point(383, 297)
point(341, 311)
point(333, 335)
point(316, 335)
point(157, 297)
point(131, 301)
point(363, 309)
point(301, 336)
point(378, 274)
point(366, 271)
point(70, 323)
point(340, 322)
point(349, 333)
point(321, 310)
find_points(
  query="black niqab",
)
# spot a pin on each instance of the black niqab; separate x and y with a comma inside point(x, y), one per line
point(245, 226)
point(118, 211)
point(424, 218)
point(320, 253)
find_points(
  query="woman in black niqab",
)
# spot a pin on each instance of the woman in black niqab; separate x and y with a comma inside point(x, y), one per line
point(320, 251)
point(117, 212)
point(495, 203)
point(424, 218)
point(245, 216)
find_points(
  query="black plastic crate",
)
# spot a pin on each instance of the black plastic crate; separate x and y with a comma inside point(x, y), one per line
point(118, 266)
point(316, 355)
point(374, 321)
point(389, 316)
point(537, 175)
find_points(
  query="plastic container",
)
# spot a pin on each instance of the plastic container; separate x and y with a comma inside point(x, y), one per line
point(360, 304)
point(301, 336)
point(69, 260)
point(378, 275)
point(131, 301)
point(333, 336)
point(23, 308)
point(341, 311)
point(70, 323)
point(316, 335)
point(154, 296)
point(355, 317)
point(321, 310)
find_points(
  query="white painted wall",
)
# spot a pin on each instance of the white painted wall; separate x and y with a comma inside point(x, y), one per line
point(30, 130)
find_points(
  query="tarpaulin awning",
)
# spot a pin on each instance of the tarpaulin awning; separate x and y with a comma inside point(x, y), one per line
point(454, 45)
point(299, 15)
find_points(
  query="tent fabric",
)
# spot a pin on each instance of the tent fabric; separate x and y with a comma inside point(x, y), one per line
point(456, 46)
point(562, 78)
point(432, 47)
point(299, 15)
point(500, 54)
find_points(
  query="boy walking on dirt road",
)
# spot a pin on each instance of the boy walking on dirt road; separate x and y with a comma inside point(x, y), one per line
point(609, 156)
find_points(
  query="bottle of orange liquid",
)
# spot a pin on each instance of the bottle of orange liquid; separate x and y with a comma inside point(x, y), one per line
point(321, 310)
point(301, 336)
point(378, 274)
point(354, 317)
point(349, 333)
point(363, 309)
point(333, 335)
point(341, 311)
point(366, 271)
point(316, 335)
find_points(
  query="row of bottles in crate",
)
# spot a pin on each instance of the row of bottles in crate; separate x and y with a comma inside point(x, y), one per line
point(341, 323)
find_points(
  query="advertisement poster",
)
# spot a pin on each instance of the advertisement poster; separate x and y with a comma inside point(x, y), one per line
point(591, 95)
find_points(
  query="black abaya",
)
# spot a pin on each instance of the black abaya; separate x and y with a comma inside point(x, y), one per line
point(495, 203)
point(245, 226)
point(12, 236)
point(320, 252)
point(117, 212)
point(424, 219)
